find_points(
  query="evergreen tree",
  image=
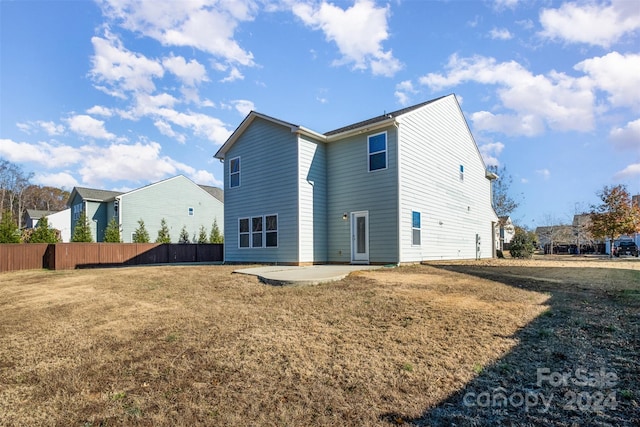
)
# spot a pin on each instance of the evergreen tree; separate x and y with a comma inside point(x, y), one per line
point(216, 236)
point(522, 244)
point(82, 230)
point(202, 235)
point(141, 235)
point(8, 229)
point(184, 235)
point(43, 233)
point(163, 233)
point(112, 232)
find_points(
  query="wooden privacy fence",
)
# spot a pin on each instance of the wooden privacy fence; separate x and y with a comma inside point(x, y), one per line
point(66, 256)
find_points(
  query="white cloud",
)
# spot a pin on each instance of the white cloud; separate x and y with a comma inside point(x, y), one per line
point(138, 162)
point(51, 128)
point(60, 180)
point(88, 126)
point(556, 100)
point(544, 173)
point(500, 34)
point(190, 73)
point(591, 23)
point(490, 153)
point(44, 153)
point(98, 110)
point(120, 69)
point(403, 92)
point(243, 106)
point(631, 171)
point(206, 25)
point(358, 31)
point(234, 74)
point(627, 137)
point(502, 4)
point(204, 177)
point(616, 74)
point(166, 129)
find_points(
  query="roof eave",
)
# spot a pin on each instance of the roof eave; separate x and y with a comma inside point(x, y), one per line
point(362, 129)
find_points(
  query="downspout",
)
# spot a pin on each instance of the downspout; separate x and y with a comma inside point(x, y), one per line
point(398, 204)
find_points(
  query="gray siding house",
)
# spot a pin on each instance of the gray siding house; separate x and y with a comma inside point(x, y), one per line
point(404, 187)
point(180, 201)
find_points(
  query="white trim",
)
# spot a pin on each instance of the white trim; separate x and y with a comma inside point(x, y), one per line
point(353, 236)
point(239, 173)
point(386, 151)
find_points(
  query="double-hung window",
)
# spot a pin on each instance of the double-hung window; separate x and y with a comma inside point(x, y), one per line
point(258, 232)
point(377, 146)
point(271, 232)
point(234, 172)
point(243, 235)
point(415, 229)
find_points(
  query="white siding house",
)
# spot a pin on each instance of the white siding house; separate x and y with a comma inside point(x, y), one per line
point(404, 187)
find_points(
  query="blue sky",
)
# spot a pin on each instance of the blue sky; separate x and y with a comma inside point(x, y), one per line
point(117, 94)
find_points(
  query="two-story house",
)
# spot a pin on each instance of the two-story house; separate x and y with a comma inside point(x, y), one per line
point(403, 187)
point(177, 200)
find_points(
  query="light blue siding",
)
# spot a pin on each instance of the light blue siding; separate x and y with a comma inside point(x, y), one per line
point(169, 199)
point(435, 142)
point(351, 187)
point(268, 185)
point(312, 188)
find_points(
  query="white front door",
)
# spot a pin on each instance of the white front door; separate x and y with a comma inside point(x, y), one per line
point(360, 237)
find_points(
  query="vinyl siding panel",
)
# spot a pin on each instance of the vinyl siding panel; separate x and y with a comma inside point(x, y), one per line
point(351, 187)
point(169, 199)
point(312, 184)
point(435, 141)
point(268, 185)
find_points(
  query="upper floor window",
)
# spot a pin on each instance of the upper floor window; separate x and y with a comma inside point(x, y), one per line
point(378, 151)
point(234, 172)
point(461, 173)
point(190, 211)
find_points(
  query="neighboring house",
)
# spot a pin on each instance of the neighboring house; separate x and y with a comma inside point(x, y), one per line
point(32, 216)
point(506, 232)
point(406, 186)
point(555, 238)
point(178, 200)
point(61, 221)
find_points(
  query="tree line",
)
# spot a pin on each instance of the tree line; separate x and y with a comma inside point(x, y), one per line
point(17, 193)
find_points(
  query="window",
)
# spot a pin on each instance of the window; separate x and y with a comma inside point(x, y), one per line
point(461, 173)
point(415, 229)
point(190, 211)
point(271, 222)
point(258, 232)
point(77, 210)
point(243, 227)
point(378, 152)
point(234, 172)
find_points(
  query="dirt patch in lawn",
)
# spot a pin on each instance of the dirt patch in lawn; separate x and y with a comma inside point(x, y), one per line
point(415, 345)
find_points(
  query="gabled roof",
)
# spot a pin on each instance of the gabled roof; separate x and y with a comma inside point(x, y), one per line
point(333, 135)
point(214, 191)
point(93, 194)
point(381, 118)
point(253, 115)
point(37, 214)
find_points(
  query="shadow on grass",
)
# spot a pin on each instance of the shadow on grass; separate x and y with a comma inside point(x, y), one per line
point(578, 363)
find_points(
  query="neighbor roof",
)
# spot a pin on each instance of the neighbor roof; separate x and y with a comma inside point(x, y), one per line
point(214, 191)
point(37, 214)
point(94, 194)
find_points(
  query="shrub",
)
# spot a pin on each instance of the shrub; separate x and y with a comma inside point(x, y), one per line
point(522, 244)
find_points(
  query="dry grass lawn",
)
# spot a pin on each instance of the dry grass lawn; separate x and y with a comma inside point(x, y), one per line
point(415, 345)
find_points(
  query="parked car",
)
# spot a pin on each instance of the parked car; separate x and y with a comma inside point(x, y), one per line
point(626, 248)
